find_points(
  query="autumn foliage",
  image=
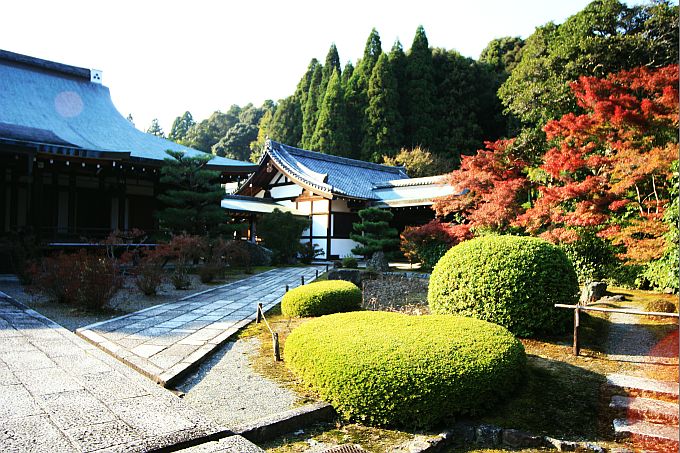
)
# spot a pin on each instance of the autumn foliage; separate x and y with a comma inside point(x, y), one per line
point(607, 169)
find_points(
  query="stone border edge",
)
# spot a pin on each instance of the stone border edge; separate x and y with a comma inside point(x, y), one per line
point(285, 422)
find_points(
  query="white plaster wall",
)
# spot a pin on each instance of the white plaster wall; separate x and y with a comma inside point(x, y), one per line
point(342, 247)
point(339, 206)
point(319, 224)
point(285, 191)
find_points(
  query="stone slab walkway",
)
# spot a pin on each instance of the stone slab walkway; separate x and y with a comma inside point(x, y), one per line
point(167, 341)
point(59, 393)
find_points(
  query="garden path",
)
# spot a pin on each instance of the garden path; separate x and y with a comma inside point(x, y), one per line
point(59, 393)
point(165, 342)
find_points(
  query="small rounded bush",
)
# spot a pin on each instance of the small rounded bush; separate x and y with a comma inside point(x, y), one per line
point(509, 280)
point(385, 368)
point(661, 306)
point(321, 298)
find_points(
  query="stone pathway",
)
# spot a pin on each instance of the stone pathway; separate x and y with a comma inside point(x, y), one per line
point(167, 341)
point(59, 393)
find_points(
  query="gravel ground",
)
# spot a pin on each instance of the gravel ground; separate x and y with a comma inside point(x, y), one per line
point(228, 391)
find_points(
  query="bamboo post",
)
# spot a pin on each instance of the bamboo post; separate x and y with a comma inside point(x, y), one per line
point(577, 321)
point(277, 351)
point(258, 317)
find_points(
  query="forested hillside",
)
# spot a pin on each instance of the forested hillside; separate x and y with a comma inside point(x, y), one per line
point(438, 101)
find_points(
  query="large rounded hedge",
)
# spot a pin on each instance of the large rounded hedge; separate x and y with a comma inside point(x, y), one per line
point(388, 368)
point(321, 298)
point(509, 280)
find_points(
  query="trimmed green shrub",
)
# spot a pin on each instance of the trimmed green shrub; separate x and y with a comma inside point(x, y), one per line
point(349, 262)
point(661, 306)
point(509, 280)
point(413, 371)
point(593, 257)
point(321, 298)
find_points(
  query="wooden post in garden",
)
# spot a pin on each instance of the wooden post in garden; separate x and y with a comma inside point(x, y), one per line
point(258, 317)
point(317, 273)
point(302, 280)
point(326, 267)
point(275, 341)
point(577, 320)
point(286, 288)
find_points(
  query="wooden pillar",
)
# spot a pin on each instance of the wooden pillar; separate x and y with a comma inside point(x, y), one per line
point(252, 230)
point(14, 199)
point(72, 227)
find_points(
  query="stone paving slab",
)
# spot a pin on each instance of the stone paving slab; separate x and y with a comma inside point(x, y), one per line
point(165, 342)
point(59, 393)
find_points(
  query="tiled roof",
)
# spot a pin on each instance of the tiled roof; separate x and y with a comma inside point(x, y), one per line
point(333, 174)
point(50, 106)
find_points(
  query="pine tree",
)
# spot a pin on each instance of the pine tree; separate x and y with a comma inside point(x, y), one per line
point(180, 127)
point(356, 94)
point(192, 199)
point(155, 129)
point(373, 232)
point(330, 135)
point(303, 85)
point(310, 113)
point(420, 91)
point(383, 121)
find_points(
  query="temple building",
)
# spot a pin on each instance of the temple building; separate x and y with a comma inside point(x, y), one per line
point(330, 190)
point(71, 166)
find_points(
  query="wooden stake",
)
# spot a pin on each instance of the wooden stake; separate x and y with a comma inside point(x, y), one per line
point(577, 321)
point(302, 279)
point(277, 352)
point(258, 317)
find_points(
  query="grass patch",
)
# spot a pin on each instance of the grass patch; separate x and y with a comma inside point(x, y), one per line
point(375, 440)
point(559, 398)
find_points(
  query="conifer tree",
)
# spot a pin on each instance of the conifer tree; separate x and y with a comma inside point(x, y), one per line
point(373, 232)
point(356, 94)
point(286, 124)
point(397, 59)
point(180, 127)
point(347, 74)
point(383, 121)
point(155, 129)
point(420, 91)
point(310, 112)
point(192, 198)
point(303, 85)
point(331, 64)
point(330, 135)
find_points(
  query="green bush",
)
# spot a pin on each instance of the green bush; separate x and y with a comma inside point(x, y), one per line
point(593, 257)
point(509, 280)
point(414, 371)
point(661, 306)
point(321, 298)
point(280, 232)
point(349, 262)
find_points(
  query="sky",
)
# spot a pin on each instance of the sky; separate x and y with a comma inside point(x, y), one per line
point(161, 58)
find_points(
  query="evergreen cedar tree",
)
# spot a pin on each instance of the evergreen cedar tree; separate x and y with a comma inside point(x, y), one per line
point(608, 169)
point(155, 129)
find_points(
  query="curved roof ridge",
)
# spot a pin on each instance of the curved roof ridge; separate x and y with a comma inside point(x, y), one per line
point(340, 159)
point(283, 158)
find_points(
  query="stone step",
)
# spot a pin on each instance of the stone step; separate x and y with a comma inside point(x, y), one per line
point(647, 409)
point(644, 387)
point(647, 436)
